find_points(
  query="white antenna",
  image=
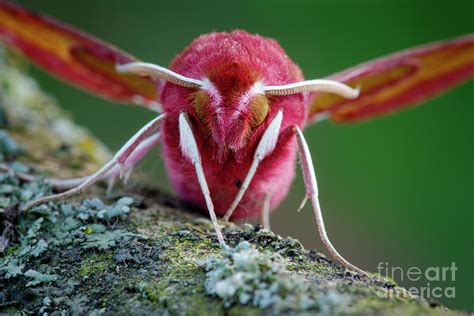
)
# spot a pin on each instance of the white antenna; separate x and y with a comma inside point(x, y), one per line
point(313, 85)
point(158, 72)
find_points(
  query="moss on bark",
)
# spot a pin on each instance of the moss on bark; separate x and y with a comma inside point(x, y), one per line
point(137, 251)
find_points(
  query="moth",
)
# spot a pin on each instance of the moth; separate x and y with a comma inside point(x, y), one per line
point(231, 108)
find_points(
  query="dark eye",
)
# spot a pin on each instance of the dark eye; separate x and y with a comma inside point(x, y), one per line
point(200, 102)
point(258, 108)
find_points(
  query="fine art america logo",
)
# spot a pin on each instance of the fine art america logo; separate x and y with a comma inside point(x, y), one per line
point(432, 282)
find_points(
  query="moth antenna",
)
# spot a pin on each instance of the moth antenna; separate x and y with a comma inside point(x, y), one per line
point(265, 147)
point(120, 158)
point(315, 85)
point(158, 72)
point(190, 150)
point(311, 185)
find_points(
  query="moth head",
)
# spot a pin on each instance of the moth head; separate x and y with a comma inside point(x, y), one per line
point(229, 117)
point(231, 100)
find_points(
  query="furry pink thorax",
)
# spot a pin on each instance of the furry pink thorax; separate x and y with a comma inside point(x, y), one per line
point(233, 63)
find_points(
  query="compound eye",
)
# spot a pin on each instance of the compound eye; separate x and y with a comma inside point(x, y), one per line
point(258, 109)
point(200, 103)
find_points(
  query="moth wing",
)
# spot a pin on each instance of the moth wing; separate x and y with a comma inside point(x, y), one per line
point(74, 56)
point(399, 80)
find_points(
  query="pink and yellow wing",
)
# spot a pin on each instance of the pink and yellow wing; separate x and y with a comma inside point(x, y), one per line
point(394, 82)
point(73, 56)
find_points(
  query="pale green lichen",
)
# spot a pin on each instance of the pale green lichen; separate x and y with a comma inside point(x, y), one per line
point(243, 275)
point(39, 248)
point(12, 267)
point(62, 224)
point(37, 277)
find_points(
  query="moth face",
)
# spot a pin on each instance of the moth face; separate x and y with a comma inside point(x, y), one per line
point(229, 116)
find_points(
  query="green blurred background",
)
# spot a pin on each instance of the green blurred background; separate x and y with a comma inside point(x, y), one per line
point(397, 189)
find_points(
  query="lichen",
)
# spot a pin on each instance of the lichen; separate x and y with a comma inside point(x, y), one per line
point(246, 276)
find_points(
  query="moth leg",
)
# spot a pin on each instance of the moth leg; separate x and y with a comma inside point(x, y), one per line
point(66, 184)
point(135, 157)
point(265, 147)
point(265, 213)
point(312, 193)
point(303, 203)
point(61, 184)
point(119, 160)
point(190, 150)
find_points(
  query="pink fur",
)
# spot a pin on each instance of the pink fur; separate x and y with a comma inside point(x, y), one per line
point(233, 62)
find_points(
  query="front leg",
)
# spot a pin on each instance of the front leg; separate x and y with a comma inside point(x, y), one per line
point(190, 150)
point(265, 146)
point(312, 193)
point(137, 145)
point(66, 184)
point(124, 171)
